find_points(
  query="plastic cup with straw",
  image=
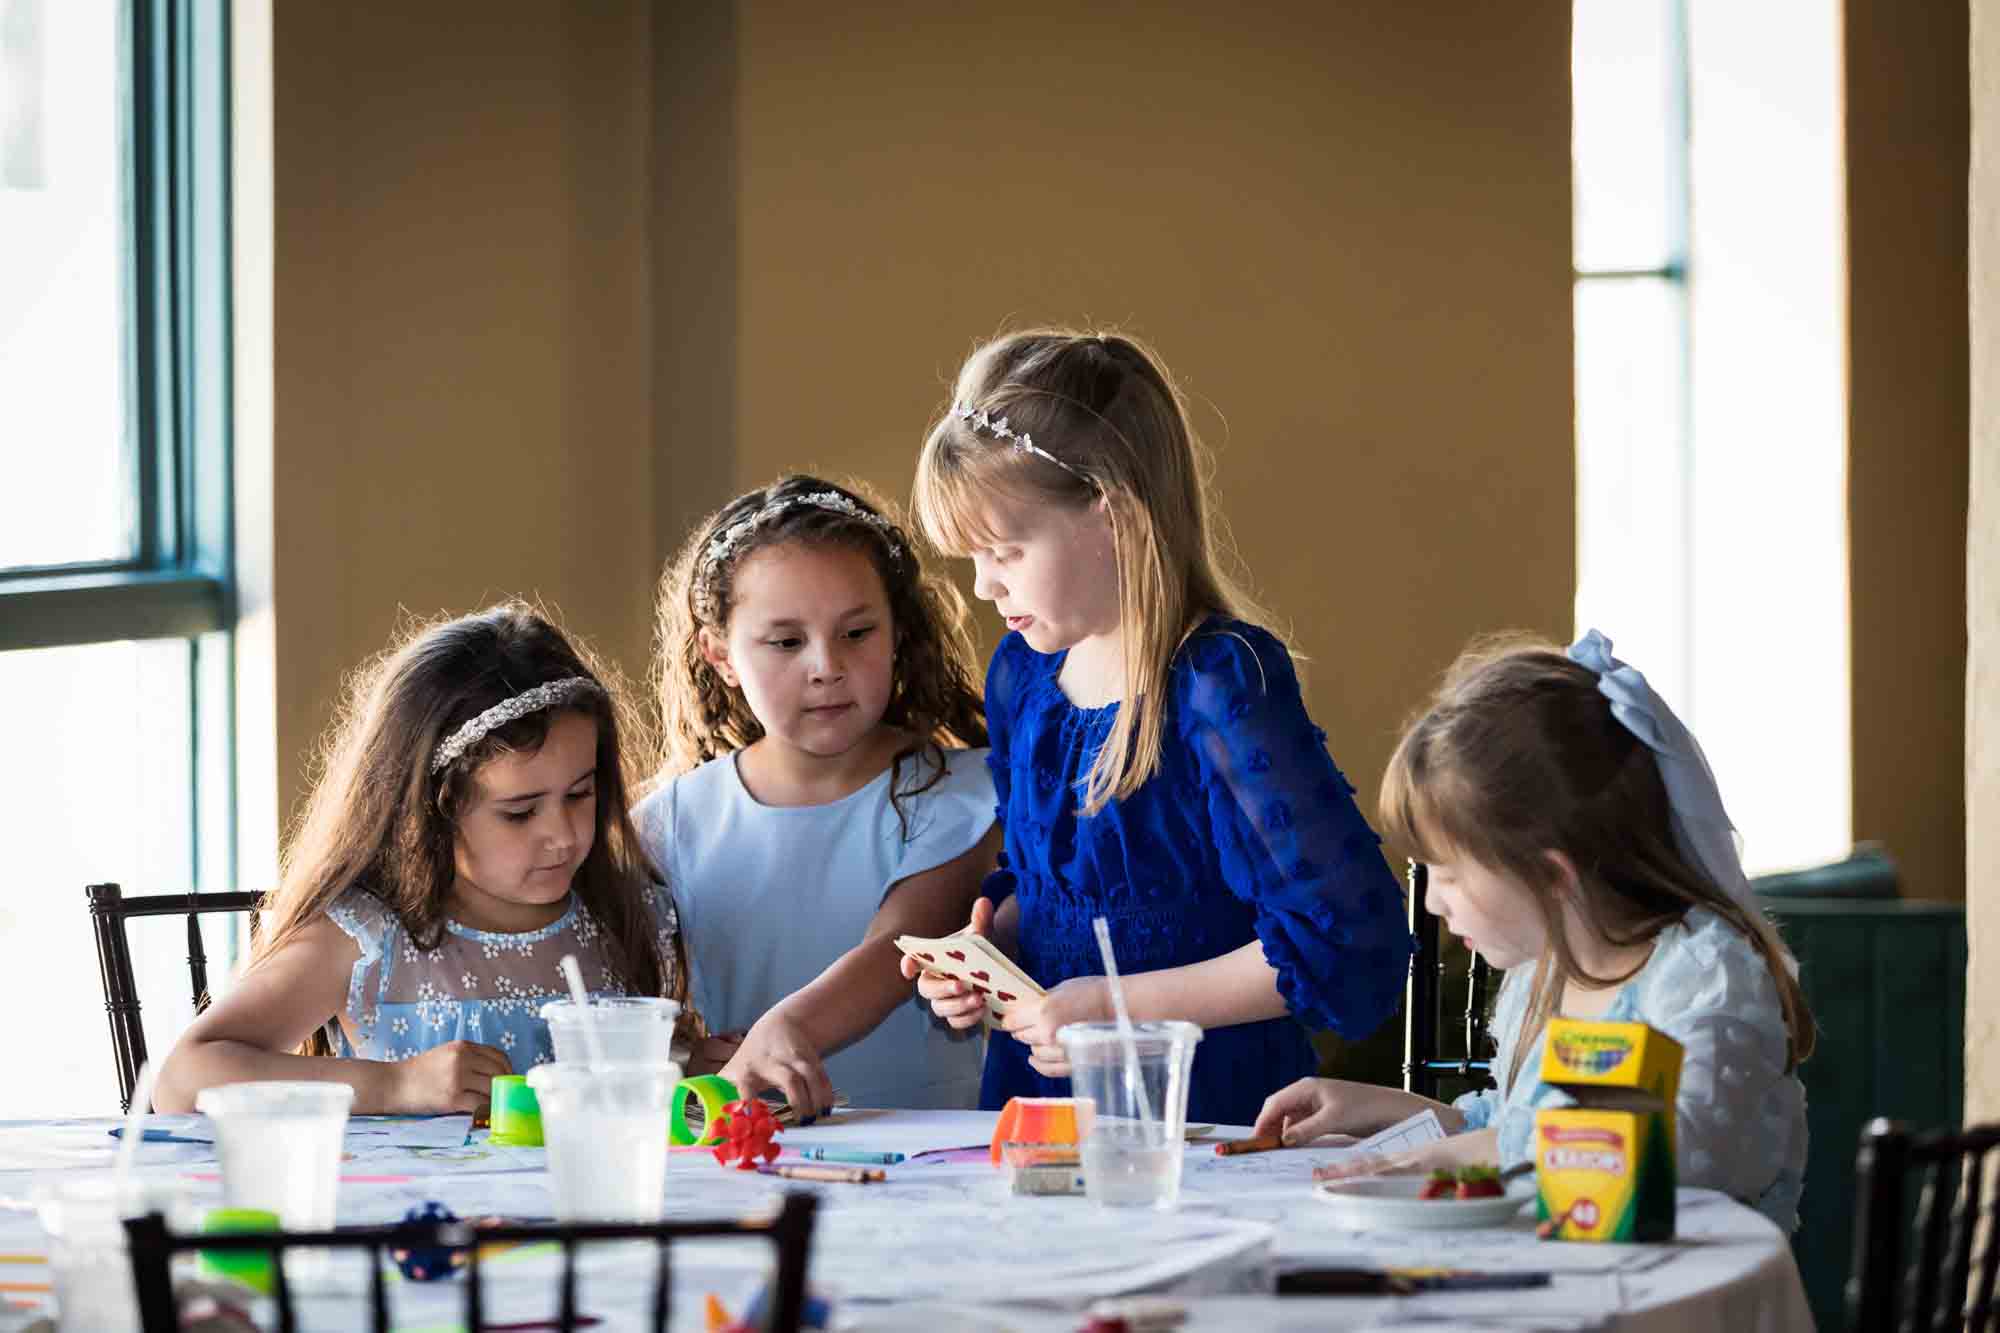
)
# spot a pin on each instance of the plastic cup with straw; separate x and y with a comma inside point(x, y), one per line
point(1133, 1080)
point(581, 997)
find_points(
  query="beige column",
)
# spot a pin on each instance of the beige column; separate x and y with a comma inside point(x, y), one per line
point(1982, 686)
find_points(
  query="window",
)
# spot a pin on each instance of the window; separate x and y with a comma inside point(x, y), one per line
point(114, 507)
point(1711, 473)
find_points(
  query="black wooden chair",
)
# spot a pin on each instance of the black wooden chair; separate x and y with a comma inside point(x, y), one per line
point(110, 909)
point(789, 1230)
point(1944, 1286)
point(1424, 1062)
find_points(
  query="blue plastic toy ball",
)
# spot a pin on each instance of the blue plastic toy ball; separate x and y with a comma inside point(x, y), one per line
point(434, 1263)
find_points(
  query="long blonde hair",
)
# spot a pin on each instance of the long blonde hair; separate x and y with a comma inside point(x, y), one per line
point(1104, 405)
point(1518, 755)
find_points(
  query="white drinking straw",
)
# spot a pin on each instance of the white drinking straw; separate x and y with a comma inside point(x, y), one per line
point(1103, 929)
point(135, 1125)
point(574, 976)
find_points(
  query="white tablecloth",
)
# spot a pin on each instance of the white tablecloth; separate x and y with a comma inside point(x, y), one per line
point(943, 1244)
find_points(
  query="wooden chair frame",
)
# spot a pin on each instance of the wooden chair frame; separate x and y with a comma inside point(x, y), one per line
point(1945, 1286)
point(789, 1231)
point(1423, 1009)
point(110, 909)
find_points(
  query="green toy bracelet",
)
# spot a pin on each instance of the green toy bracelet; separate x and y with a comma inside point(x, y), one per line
point(713, 1092)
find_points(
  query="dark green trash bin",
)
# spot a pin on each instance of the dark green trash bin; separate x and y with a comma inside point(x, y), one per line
point(1885, 977)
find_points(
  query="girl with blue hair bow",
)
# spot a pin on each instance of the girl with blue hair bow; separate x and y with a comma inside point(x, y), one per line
point(1575, 837)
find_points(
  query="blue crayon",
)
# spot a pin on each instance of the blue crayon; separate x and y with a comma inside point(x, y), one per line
point(858, 1156)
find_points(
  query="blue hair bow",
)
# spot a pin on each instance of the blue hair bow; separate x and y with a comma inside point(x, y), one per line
point(1701, 826)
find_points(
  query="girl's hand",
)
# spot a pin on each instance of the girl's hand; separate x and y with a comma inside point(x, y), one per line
point(954, 1002)
point(777, 1053)
point(1479, 1148)
point(1034, 1023)
point(1311, 1107)
point(457, 1076)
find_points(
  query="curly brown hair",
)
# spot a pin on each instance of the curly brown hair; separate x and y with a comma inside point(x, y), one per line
point(381, 822)
point(935, 695)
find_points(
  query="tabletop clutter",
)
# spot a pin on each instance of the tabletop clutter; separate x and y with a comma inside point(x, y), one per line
point(1604, 1169)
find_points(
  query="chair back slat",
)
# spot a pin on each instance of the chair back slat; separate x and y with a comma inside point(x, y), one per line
point(1964, 1222)
point(110, 909)
point(1980, 1310)
point(789, 1231)
point(1933, 1202)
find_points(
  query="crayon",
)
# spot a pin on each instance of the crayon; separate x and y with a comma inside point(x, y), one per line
point(860, 1156)
point(1262, 1143)
point(838, 1175)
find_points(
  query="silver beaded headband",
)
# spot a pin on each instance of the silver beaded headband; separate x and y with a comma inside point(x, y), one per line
point(731, 539)
point(1020, 441)
point(547, 695)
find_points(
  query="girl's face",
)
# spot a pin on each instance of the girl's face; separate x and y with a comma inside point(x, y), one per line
point(1496, 915)
point(531, 821)
point(811, 644)
point(1051, 571)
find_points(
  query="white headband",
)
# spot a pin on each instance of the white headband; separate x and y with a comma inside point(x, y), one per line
point(1020, 441)
point(547, 695)
point(731, 538)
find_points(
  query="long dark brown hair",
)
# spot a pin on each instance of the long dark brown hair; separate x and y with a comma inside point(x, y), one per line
point(380, 822)
point(1104, 405)
point(935, 695)
point(1519, 755)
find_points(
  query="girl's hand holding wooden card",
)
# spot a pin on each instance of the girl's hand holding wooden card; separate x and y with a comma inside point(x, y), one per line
point(975, 961)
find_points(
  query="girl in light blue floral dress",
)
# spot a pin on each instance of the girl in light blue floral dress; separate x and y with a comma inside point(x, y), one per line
point(1575, 837)
point(469, 830)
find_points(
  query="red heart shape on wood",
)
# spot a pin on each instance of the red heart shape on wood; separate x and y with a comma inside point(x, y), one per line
point(927, 958)
point(1003, 995)
point(953, 953)
point(982, 976)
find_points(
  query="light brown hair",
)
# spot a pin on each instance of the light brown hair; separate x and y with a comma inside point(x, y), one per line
point(380, 822)
point(1518, 755)
point(1104, 405)
point(935, 695)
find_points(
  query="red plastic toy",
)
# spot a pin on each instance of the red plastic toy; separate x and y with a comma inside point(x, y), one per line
point(748, 1130)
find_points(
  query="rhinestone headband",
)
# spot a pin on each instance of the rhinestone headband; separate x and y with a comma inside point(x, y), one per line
point(1020, 441)
point(547, 695)
point(731, 539)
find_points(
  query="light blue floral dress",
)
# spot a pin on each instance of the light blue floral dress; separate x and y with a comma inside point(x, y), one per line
point(476, 985)
point(1742, 1116)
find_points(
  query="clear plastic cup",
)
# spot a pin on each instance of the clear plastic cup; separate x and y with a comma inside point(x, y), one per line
point(605, 1127)
point(89, 1258)
point(280, 1145)
point(1132, 1148)
point(630, 1029)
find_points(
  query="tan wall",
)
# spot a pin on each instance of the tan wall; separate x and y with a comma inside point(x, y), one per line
point(1982, 748)
point(462, 401)
point(1906, 130)
point(1346, 227)
point(527, 328)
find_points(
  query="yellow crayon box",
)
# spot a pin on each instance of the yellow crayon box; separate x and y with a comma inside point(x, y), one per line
point(1605, 1166)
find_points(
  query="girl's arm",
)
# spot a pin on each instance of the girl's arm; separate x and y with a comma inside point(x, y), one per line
point(864, 985)
point(247, 1035)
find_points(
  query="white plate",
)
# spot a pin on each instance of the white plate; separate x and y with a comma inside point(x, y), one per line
point(1390, 1203)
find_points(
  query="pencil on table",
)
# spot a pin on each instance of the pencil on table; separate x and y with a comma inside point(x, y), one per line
point(1261, 1143)
point(838, 1175)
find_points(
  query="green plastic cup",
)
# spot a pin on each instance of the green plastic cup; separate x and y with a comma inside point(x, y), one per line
point(248, 1268)
point(516, 1116)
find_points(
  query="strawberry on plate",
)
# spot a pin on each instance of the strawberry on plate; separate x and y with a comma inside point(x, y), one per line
point(1442, 1185)
point(1479, 1182)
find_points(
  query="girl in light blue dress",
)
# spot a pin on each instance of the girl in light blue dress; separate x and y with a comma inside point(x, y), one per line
point(1576, 838)
point(469, 830)
point(817, 799)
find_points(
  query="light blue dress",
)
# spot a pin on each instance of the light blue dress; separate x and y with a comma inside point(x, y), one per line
point(770, 896)
point(1742, 1116)
point(476, 985)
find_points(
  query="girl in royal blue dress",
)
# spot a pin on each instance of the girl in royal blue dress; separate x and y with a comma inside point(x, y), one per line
point(1152, 757)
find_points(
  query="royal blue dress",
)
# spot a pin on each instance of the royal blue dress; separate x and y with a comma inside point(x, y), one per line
point(1246, 832)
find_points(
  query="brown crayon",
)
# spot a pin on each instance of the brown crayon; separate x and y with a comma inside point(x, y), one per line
point(837, 1175)
point(1262, 1143)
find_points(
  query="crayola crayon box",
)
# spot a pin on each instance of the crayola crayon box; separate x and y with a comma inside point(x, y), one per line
point(1605, 1166)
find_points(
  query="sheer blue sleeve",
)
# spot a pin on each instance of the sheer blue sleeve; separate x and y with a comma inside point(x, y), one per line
point(1292, 842)
point(1004, 681)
